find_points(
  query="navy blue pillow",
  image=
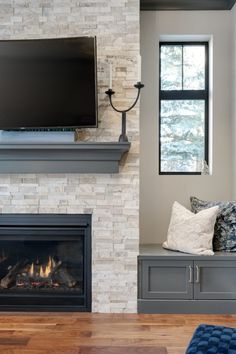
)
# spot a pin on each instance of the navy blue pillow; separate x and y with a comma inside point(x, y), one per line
point(225, 227)
point(209, 339)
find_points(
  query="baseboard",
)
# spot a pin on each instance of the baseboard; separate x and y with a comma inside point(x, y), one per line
point(187, 306)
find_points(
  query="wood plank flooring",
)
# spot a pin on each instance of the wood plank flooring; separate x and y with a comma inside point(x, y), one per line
point(83, 333)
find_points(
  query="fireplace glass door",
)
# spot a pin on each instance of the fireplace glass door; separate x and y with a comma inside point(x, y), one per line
point(45, 267)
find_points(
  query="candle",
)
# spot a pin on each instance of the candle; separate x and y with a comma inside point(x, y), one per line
point(110, 77)
point(139, 68)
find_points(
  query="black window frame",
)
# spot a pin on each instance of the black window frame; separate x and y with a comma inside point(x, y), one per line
point(186, 95)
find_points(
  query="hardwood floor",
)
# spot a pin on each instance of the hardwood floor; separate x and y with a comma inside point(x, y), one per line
point(74, 333)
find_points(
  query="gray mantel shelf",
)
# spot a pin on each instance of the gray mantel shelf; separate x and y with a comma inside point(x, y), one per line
point(62, 158)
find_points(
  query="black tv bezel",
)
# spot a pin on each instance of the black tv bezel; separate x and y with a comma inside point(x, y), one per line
point(59, 127)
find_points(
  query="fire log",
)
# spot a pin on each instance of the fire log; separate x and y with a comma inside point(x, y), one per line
point(64, 277)
point(10, 278)
point(54, 270)
point(5, 264)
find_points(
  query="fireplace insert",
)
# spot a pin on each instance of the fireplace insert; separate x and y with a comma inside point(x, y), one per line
point(45, 262)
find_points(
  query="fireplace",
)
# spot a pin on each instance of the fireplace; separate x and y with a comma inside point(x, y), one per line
point(45, 262)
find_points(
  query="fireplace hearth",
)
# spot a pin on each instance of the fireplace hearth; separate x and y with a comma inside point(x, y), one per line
point(45, 262)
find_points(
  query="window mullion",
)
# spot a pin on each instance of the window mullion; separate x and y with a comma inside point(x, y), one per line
point(182, 67)
point(184, 95)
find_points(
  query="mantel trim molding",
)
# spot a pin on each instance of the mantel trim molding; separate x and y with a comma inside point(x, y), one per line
point(62, 158)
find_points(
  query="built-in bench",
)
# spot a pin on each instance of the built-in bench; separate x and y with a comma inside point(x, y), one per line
point(175, 282)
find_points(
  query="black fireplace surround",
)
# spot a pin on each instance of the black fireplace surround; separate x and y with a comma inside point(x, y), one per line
point(45, 262)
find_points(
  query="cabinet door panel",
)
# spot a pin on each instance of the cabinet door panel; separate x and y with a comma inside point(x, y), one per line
point(166, 279)
point(217, 280)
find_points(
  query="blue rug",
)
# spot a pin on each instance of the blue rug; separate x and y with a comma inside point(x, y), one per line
point(209, 339)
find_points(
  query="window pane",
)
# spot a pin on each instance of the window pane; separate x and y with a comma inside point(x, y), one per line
point(171, 67)
point(194, 67)
point(182, 135)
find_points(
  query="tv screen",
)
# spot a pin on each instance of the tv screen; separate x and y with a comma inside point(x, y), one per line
point(48, 83)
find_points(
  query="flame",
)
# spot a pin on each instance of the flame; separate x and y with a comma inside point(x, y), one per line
point(31, 271)
point(41, 272)
point(49, 265)
point(44, 271)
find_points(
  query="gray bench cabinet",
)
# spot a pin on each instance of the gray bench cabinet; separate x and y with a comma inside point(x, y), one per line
point(174, 282)
point(215, 280)
point(168, 279)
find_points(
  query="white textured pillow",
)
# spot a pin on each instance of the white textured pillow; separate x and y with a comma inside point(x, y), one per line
point(189, 232)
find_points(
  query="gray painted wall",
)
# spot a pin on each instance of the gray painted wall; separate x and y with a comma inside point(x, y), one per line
point(159, 192)
point(233, 98)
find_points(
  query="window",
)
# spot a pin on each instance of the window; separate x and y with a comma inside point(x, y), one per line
point(184, 93)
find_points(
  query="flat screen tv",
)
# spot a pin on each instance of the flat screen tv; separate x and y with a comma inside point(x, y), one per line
point(48, 83)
